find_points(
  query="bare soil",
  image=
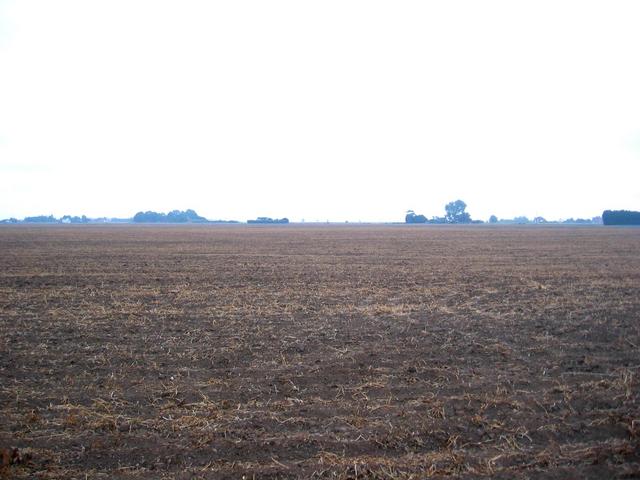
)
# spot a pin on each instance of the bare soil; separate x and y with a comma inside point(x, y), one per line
point(319, 352)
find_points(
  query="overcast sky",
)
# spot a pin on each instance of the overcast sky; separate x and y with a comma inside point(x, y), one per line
point(339, 110)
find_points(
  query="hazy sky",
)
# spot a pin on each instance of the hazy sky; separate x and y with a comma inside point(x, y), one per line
point(340, 110)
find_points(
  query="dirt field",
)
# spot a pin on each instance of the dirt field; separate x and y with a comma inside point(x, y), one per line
point(319, 352)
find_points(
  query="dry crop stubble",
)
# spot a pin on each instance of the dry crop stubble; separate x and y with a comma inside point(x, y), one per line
point(327, 352)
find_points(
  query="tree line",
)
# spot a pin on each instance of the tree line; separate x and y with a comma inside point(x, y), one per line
point(620, 217)
point(269, 220)
point(455, 212)
point(174, 216)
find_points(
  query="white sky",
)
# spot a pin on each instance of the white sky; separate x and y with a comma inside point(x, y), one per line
point(340, 110)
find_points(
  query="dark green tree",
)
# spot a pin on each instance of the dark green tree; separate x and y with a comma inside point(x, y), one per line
point(412, 217)
point(455, 212)
point(620, 217)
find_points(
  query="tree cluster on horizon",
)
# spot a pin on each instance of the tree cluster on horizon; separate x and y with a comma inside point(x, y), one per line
point(269, 220)
point(174, 216)
point(455, 213)
point(49, 219)
point(620, 217)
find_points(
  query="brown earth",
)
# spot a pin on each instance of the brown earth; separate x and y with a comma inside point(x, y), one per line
point(319, 352)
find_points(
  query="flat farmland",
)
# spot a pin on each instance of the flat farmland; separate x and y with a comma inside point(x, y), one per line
point(319, 352)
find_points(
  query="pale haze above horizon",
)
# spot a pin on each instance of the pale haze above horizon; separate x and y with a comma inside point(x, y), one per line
point(333, 110)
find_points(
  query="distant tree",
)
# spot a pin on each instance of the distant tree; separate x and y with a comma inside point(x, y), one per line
point(41, 219)
point(174, 216)
point(522, 220)
point(269, 220)
point(539, 220)
point(493, 219)
point(411, 217)
point(620, 217)
point(73, 219)
point(149, 217)
point(455, 212)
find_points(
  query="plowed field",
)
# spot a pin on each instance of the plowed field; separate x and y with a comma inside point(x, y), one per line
point(319, 352)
